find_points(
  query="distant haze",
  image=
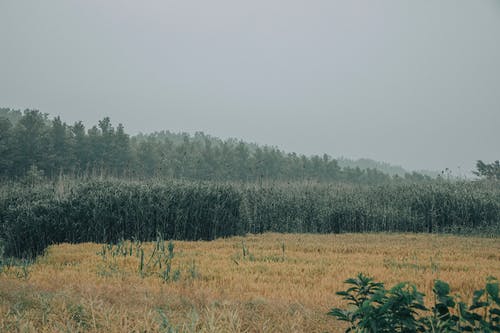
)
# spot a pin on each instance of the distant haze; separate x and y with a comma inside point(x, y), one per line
point(414, 83)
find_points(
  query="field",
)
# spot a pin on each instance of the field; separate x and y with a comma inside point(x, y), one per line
point(258, 283)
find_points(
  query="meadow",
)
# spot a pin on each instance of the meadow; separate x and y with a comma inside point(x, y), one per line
point(271, 282)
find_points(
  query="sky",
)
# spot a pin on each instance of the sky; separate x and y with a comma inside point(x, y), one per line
point(413, 83)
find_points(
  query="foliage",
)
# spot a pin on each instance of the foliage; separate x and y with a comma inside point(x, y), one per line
point(33, 176)
point(19, 268)
point(30, 139)
point(489, 171)
point(158, 262)
point(33, 216)
point(401, 308)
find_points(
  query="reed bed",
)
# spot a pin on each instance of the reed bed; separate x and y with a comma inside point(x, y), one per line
point(35, 216)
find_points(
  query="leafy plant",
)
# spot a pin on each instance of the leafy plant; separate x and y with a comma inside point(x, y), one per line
point(372, 308)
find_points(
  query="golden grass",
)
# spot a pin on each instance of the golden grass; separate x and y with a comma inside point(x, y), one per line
point(73, 289)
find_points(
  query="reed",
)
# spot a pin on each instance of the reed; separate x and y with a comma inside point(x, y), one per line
point(108, 211)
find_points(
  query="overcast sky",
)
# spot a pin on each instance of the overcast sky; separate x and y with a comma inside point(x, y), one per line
point(414, 83)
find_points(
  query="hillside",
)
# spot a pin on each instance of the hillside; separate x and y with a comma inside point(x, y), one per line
point(30, 140)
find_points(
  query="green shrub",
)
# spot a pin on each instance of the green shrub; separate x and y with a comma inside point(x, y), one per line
point(372, 308)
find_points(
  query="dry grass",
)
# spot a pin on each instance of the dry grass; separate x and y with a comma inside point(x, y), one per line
point(73, 289)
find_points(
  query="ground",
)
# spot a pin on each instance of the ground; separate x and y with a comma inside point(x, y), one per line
point(258, 283)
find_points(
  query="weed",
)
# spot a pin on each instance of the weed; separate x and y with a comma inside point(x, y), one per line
point(165, 325)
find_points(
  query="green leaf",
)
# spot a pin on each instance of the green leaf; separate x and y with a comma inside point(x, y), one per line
point(441, 288)
point(478, 305)
point(492, 289)
point(442, 311)
point(420, 307)
point(477, 295)
point(340, 314)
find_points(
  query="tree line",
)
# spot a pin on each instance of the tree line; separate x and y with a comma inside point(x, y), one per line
point(31, 142)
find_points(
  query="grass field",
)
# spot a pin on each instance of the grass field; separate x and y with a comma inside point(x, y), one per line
point(265, 283)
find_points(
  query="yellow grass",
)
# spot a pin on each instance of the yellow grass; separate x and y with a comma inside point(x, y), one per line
point(74, 289)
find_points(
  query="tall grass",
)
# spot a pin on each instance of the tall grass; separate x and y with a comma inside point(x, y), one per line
point(37, 215)
point(431, 207)
point(107, 211)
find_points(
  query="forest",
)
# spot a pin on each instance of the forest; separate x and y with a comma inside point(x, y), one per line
point(29, 140)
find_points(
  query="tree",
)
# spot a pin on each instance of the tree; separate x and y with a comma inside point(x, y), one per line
point(61, 156)
point(5, 146)
point(80, 146)
point(489, 171)
point(31, 142)
point(121, 150)
point(12, 115)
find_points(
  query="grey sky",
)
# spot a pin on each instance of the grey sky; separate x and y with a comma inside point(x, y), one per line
point(414, 83)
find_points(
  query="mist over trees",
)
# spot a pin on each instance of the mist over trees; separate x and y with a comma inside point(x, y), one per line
point(488, 170)
point(391, 170)
point(29, 140)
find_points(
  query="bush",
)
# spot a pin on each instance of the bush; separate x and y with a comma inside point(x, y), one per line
point(374, 309)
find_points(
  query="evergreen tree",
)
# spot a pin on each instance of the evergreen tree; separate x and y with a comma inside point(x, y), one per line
point(5, 146)
point(30, 142)
point(61, 157)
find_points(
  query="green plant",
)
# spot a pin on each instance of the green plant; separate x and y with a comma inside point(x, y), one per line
point(450, 314)
point(193, 270)
point(244, 249)
point(20, 268)
point(33, 176)
point(110, 211)
point(165, 325)
point(375, 309)
point(141, 262)
point(372, 308)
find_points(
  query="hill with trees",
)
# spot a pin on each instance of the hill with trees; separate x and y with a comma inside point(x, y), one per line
point(29, 140)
